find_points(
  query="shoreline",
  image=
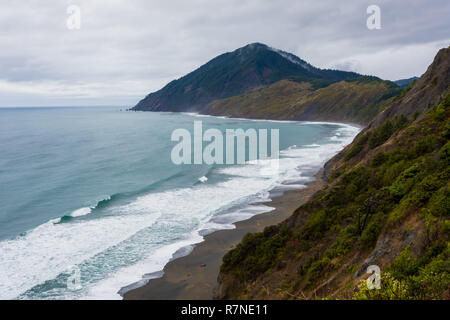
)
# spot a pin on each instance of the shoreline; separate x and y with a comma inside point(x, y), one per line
point(360, 126)
point(195, 276)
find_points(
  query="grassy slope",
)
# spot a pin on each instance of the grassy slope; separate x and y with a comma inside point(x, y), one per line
point(350, 101)
point(387, 204)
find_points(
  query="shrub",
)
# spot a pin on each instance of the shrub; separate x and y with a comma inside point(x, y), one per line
point(316, 225)
point(446, 132)
point(370, 234)
point(439, 204)
point(398, 189)
point(446, 101)
point(424, 145)
point(391, 289)
point(381, 134)
point(404, 265)
point(439, 113)
point(257, 252)
point(445, 152)
point(409, 278)
point(340, 248)
point(379, 159)
point(357, 146)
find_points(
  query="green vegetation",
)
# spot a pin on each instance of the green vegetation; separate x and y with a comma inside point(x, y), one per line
point(377, 137)
point(422, 278)
point(356, 100)
point(393, 88)
point(359, 144)
point(382, 133)
point(234, 73)
point(406, 181)
point(261, 249)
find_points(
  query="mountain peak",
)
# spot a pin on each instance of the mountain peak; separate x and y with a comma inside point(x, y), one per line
point(258, 47)
point(255, 45)
point(251, 49)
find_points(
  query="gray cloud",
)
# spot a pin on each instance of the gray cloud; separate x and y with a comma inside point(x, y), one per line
point(125, 49)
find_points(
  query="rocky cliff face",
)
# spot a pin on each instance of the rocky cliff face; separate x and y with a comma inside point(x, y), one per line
point(387, 203)
point(413, 102)
point(422, 94)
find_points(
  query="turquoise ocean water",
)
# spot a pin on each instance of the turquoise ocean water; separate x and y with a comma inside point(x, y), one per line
point(95, 189)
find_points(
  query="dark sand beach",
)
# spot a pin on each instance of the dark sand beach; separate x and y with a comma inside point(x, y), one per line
point(195, 276)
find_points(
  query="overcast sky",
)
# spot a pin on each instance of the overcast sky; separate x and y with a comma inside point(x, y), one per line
point(128, 48)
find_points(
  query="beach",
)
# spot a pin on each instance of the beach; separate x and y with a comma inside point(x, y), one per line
point(195, 276)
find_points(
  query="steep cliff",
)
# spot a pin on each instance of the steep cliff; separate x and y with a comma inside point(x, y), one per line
point(386, 203)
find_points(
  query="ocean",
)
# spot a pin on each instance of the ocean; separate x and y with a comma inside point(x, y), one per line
point(92, 192)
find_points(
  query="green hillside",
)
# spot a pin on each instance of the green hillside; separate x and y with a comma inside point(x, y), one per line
point(358, 100)
point(387, 203)
point(234, 73)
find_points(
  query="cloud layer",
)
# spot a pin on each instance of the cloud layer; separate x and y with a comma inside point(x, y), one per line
point(125, 49)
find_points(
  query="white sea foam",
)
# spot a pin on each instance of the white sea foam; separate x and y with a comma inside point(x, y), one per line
point(148, 268)
point(48, 250)
point(45, 252)
point(81, 212)
point(313, 145)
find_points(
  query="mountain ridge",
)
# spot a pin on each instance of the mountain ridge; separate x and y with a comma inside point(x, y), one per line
point(405, 82)
point(233, 73)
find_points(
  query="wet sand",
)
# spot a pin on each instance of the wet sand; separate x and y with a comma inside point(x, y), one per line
point(195, 276)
